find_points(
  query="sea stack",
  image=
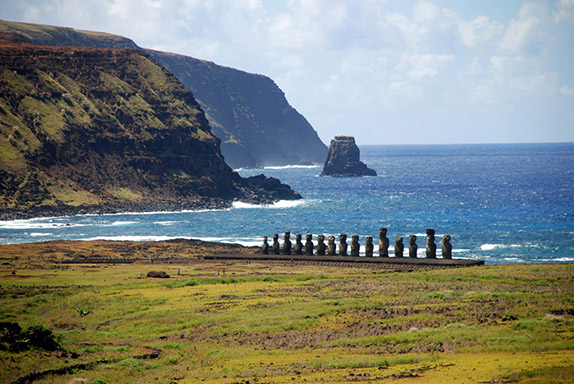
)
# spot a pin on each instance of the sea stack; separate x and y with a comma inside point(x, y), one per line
point(343, 159)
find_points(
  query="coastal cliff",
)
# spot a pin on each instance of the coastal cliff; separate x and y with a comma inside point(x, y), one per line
point(248, 112)
point(343, 159)
point(95, 129)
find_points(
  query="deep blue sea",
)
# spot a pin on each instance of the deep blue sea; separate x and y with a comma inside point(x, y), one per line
point(502, 203)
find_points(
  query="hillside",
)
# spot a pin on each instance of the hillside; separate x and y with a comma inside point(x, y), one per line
point(248, 112)
point(108, 128)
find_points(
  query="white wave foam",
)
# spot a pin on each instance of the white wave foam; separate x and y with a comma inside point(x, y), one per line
point(245, 241)
point(165, 222)
point(135, 238)
point(560, 259)
point(293, 167)
point(29, 224)
point(39, 234)
point(490, 247)
point(514, 259)
point(278, 204)
point(120, 223)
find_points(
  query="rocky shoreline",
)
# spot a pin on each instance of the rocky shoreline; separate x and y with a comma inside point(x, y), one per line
point(67, 210)
point(127, 207)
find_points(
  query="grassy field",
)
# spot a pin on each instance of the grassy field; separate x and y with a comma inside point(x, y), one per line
point(216, 322)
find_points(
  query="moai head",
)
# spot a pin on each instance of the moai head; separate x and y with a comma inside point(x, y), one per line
point(369, 240)
point(265, 239)
point(412, 239)
point(275, 237)
point(382, 233)
point(343, 238)
point(331, 239)
point(309, 237)
point(399, 240)
point(298, 237)
point(355, 239)
point(287, 236)
point(430, 233)
point(446, 239)
point(321, 238)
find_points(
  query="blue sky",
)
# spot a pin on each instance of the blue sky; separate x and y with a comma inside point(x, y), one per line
point(385, 71)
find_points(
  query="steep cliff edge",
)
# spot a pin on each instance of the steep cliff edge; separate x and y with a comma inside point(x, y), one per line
point(248, 112)
point(343, 159)
point(107, 129)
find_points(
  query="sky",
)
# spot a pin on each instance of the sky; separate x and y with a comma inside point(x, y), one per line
point(384, 71)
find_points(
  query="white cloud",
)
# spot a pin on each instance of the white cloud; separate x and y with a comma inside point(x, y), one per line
point(524, 31)
point(564, 12)
point(478, 31)
point(376, 60)
point(425, 12)
point(420, 66)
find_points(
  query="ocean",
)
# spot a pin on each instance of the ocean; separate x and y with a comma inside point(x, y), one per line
point(501, 203)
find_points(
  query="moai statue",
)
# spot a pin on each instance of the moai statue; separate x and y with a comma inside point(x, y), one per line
point(343, 245)
point(265, 247)
point(355, 246)
point(309, 245)
point(399, 246)
point(321, 245)
point(298, 249)
point(276, 244)
point(331, 248)
point(431, 245)
point(287, 243)
point(413, 247)
point(369, 246)
point(446, 247)
point(383, 243)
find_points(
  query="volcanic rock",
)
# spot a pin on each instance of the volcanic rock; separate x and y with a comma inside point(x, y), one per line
point(158, 274)
point(343, 159)
point(96, 130)
point(248, 112)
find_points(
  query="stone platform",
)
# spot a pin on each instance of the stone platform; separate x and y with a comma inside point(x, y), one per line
point(403, 263)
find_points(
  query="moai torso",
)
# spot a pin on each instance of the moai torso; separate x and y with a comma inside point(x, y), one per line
point(298, 249)
point(446, 247)
point(399, 246)
point(383, 243)
point(369, 246)
point(355, 246)
point(276, 244)
point(321, 245)
point(265, 247)
point(287, 243)
point(309, 245)
point(331, 248)
point(413, 247)
point(431, 245)
point(343, 245)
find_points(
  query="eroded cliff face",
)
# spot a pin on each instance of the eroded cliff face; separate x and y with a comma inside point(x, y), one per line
point(248, 112)
point(106, 127)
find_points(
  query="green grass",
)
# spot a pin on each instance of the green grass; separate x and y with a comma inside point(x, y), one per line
point(276, 323)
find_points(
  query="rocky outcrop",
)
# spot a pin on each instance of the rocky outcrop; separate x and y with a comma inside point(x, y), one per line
point(158, 274)
point(248, 112)
point(343, 159)
point(86, 129)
